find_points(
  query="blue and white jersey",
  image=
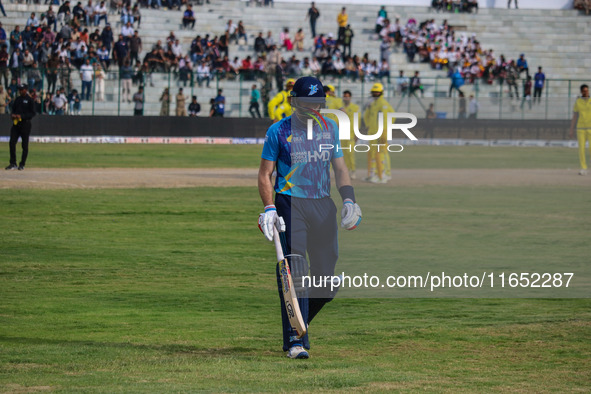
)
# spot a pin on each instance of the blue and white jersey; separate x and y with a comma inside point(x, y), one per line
point(303, 169)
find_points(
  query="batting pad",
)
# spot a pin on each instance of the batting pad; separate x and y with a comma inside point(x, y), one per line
point(299, 269)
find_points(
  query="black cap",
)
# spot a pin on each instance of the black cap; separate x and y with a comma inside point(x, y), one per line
point(23, 86)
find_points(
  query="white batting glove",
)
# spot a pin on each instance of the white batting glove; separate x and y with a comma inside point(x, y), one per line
point(269, 219)
point(350, 215)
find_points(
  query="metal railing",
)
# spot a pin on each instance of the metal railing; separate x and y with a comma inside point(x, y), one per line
point(495, 99)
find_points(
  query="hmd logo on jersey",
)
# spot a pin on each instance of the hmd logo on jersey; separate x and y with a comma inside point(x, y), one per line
point(318, 156)
point(344, 125)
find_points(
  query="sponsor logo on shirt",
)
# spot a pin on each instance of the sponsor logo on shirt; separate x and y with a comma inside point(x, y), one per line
point(309, 157)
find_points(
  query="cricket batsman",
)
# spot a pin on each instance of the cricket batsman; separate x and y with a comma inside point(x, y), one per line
point(278, 106)
point(582, 119)
point(378, 159)
point(348, 145)
point(303, 202)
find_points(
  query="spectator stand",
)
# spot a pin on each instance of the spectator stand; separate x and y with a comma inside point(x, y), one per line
point(488, 25)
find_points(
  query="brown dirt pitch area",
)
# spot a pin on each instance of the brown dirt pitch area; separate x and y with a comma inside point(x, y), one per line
point(49, 178)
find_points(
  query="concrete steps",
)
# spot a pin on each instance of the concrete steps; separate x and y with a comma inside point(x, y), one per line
point(555, 39)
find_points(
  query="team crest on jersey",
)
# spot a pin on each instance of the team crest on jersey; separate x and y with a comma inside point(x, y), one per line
point(313, 89)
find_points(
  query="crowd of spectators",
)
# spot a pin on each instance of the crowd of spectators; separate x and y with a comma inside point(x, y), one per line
point(455, 5)
point(53, 47)
point(461, 55)
point(583, 5)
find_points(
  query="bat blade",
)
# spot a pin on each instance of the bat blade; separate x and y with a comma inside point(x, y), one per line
point(292, 306)
point(290, 299)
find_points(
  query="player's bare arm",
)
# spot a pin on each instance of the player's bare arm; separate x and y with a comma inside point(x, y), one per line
point(341, 173)
point(265, 181)
point(573, 123)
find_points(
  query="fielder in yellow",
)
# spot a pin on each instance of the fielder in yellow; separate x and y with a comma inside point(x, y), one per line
point(333, 102)
point(278, 106)
point(347, 145)
point(582, 119)
point(378, 159)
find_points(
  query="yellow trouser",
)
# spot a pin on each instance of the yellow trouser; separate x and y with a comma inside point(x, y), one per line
point(387, 162)
point(349, 155)
point(375, 161)
point(378, 161)
point(583, 135)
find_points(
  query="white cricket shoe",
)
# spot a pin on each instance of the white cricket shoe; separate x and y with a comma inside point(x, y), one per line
point(297, 351)
point(386, 177)
point(375, 179)
point(352, 175)
point(583, 172)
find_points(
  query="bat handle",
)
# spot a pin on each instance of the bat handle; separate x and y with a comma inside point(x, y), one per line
point(277, 242)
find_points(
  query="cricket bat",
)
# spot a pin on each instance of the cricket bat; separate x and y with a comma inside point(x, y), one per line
point(292, 307)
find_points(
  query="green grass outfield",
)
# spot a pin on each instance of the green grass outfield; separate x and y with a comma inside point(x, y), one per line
point(168, 290)
point(243, 156)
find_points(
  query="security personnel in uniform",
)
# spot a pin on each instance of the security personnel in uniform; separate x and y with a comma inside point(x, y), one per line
point(278, 106)
point(23, 110)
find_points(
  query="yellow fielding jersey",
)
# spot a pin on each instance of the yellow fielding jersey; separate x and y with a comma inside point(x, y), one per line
point(583, 108)
point(333, 103)
point(370, 117)
point(351, 110)
point(279, 102)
